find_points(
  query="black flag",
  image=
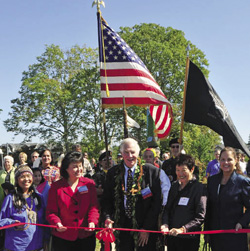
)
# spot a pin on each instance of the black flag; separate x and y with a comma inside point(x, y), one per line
point(204, 107)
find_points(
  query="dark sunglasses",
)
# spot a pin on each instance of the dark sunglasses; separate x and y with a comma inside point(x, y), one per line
point(175, 147)
point(110, 158)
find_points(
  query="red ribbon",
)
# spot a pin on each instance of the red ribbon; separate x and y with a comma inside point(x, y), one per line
point(227, 231)
point(107, 236)
point(12, 225)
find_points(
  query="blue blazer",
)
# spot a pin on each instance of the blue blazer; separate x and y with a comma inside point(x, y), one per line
point(227, 206)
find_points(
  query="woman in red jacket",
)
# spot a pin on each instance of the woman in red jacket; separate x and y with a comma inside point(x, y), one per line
point(72, 202)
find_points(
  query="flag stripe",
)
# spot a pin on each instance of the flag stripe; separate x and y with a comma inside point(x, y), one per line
point(130, 88)
point(164, 133)
point(130, 101)
point(134, 94)
point(123, 81)
point(124, 72)
point(161, 114)
point(163, 120)
point(126, 66)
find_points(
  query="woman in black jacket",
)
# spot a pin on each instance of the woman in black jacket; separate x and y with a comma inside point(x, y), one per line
point(185, 209)
point(228, 204)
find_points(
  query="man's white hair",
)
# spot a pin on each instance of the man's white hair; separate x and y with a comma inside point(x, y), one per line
point(128, 141)
point(10, 158)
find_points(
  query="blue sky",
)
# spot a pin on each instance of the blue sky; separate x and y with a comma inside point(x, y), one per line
point(221, 29)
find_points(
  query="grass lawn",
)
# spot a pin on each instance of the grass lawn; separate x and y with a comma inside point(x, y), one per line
point(98, 246)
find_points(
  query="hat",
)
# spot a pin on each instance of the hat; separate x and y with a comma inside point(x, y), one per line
point(119, 155)
point(152, 150)
point(103, 155)
point(21, 170)
point(174, 141)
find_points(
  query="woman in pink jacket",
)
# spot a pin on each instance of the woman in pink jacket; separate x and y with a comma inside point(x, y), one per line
point(72, 202)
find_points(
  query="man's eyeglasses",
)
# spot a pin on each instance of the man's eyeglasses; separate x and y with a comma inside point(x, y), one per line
point(175, 146)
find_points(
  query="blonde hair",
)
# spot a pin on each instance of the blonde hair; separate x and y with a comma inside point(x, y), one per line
point(23, 154)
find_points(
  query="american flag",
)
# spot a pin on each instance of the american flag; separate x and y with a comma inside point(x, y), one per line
point(123, 74)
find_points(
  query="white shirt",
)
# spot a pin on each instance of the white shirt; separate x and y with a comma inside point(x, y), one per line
point(165, 186)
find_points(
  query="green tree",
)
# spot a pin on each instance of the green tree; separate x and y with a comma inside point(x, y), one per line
point(53, 95)
point(200, 142)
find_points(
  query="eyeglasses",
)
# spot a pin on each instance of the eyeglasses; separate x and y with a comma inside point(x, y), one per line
point(175, 146)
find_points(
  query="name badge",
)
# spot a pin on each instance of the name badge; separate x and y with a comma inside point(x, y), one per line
point(83, 189)
point(183, 201)
point(146, 192)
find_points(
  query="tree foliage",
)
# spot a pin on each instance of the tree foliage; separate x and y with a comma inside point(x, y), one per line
point(54, 94)
point(200, 142)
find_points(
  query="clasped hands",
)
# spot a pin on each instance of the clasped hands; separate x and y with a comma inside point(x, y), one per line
point(173, 231)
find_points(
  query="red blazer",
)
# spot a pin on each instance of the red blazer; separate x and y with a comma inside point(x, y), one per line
point(72, 208)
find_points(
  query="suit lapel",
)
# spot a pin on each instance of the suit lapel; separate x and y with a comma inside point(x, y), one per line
point(229, 185)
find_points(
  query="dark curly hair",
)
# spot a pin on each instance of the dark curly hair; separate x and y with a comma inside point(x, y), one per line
point(67, 160)
point(185, 159)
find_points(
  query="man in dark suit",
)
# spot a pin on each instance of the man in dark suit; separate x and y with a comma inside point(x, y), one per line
point(132, 199)
point(169, 165)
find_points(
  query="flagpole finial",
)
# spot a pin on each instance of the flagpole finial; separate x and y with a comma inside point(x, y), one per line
point(98, 3)
point(188, 49)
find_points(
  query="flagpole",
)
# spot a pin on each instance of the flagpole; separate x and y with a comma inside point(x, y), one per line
point(98, 3)
point(184, 96)
point(125, 120)
point(105, 137)
point(151, 142)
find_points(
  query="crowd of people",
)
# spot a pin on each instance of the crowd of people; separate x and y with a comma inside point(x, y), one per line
point(77, 195)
